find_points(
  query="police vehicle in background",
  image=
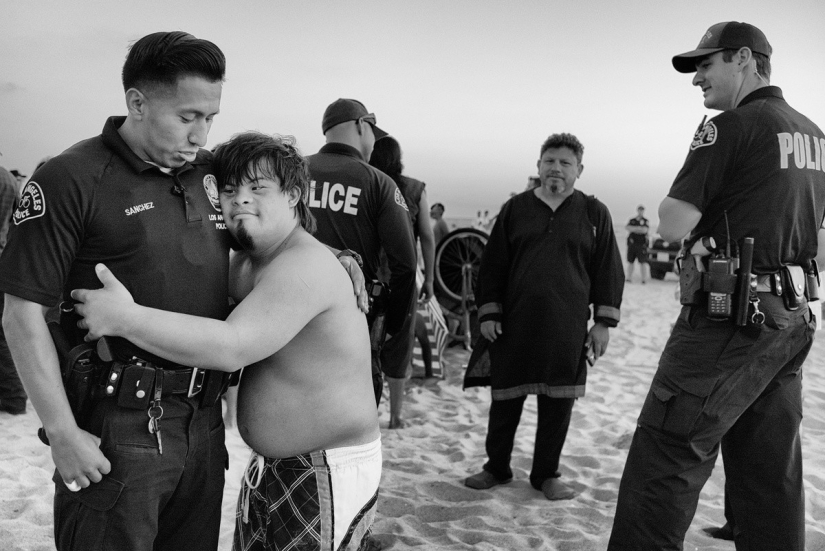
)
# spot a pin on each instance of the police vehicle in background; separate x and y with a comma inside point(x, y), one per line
point(661, 257)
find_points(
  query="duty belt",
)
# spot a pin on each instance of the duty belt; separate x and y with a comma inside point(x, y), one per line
point(136, 383)
point(766, 283)
point(772, 283)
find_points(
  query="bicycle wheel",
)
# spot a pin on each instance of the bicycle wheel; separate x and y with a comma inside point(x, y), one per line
point(457, 256)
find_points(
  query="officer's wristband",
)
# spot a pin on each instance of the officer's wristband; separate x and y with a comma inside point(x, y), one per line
point(353, 254)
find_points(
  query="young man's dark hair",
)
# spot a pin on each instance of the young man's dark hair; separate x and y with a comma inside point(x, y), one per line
point(251, 155)
point(564, 139)
point(160, 59)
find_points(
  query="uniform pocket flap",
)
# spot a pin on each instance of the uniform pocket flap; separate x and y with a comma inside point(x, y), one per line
point(698, 386)
point(100, 496)
point(663, 393)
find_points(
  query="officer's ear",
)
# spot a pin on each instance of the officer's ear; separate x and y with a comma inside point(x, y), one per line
point(135, 103)
point(744, 57)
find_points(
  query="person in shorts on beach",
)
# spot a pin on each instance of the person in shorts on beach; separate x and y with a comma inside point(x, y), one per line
point(552, 254)
point(305, 399)
point(396, 355)
point(637, 229)
point(753, 171)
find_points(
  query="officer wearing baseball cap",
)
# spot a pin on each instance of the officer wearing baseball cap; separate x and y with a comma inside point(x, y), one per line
point(751, 172)
point(359, 208)
point(344, 110)
point(723, 36)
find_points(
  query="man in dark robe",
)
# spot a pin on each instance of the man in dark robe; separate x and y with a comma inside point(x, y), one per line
point(551, 254)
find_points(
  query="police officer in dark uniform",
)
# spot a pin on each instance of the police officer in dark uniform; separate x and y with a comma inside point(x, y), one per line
point(360, 208)
point(141, 198)
point(757, 170)
point(637, 228)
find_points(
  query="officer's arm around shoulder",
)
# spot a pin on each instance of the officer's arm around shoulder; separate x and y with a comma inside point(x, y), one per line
point(677, 218)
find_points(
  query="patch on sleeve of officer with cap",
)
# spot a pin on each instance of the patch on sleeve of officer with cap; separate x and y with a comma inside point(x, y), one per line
point(400, 199)
point(704, 136)
point(32, 204)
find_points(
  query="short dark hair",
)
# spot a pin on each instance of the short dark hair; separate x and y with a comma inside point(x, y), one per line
point(250, 155)
point(438, 205)
point(386, 157)
point(763, 62)
point(161, 59)
point(569, 141)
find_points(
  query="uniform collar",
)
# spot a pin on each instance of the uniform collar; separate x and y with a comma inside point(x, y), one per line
point(342, 149)
point(760, 93)
point(114, 141)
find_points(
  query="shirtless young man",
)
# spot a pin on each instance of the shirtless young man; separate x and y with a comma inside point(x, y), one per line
point(305, 402)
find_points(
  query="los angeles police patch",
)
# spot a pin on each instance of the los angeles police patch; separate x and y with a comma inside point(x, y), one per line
point(400, 199)
point(210, 186)
point(32, 204)
point(704, 136)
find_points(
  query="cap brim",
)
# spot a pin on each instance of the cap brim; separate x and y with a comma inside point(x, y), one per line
point(378, 132)
point(686, 62)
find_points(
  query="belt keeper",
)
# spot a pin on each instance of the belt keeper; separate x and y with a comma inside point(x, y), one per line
point(196, 381)
point(113, 379)
point(777, 284)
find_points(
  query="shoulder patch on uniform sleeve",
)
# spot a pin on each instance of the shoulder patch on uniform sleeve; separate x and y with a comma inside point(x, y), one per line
point(704, 136)
point(210, 186)
point(400, 199)
point(32, 204)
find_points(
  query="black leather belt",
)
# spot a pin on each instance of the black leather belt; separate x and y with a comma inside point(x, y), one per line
point(187, 381)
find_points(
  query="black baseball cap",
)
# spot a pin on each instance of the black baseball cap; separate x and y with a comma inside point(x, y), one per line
point(345, 110)
point(723, 36)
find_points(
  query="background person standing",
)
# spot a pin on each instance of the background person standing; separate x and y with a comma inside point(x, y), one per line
point(12, 394)
point(396, 356)
point(440, 228)
point(551, 255)
point(637, 228)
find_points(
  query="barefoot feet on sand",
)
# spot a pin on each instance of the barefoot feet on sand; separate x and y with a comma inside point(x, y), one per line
point(720, 532)
point(554, 489)
point(484, 481)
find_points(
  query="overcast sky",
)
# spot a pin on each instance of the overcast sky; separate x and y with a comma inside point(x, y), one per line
point(469, 88)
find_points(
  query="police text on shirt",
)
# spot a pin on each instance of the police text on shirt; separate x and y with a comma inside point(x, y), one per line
point(334, 197)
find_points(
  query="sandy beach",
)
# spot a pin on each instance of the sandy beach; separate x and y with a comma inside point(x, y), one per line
point(423, 502)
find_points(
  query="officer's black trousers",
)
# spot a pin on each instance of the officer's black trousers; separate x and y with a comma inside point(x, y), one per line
point(721, 384)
